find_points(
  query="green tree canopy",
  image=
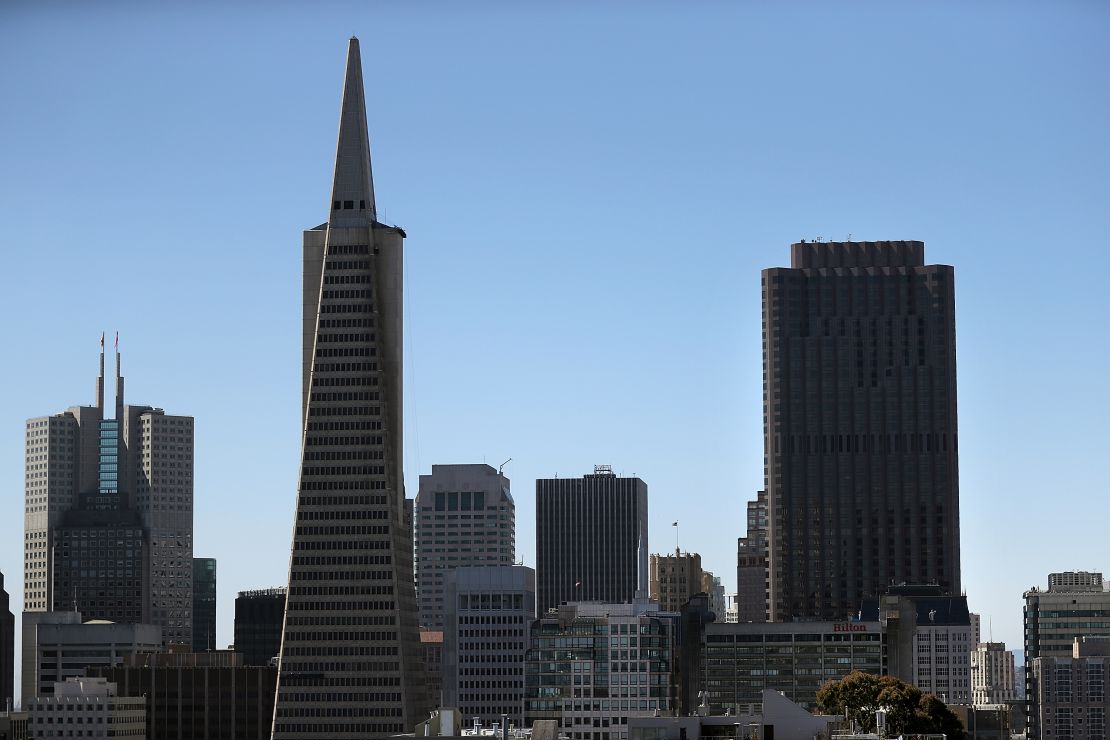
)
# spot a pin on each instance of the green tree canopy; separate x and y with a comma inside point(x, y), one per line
point(909, 711)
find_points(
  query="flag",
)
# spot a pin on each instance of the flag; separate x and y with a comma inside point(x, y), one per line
point(675, 524)
point(101, 340)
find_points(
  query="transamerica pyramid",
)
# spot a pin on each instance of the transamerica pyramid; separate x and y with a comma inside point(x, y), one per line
point(349, 664)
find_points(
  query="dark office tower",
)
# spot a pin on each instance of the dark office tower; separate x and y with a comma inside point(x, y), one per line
point(751, 564)
point(258, 618)
point(591, 539)
point(204, 604)
point(859, 367)
point(7, 647)
point(115, 490)
point(350, 663)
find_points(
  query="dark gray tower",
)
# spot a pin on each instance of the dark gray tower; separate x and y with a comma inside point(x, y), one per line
point(350, 665)
point(591, 539)
point(859, 368)
point(7, 648)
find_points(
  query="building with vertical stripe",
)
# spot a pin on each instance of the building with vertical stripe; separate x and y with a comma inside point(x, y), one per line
point(859, 351)
point(350, 662)
point(591, 539)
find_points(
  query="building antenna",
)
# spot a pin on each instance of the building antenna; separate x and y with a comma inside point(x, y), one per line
point(502, 465)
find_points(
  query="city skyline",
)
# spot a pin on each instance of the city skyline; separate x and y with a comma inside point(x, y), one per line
point(987, 204)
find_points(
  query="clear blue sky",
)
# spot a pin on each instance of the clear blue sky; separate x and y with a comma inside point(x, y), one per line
point(589, 193)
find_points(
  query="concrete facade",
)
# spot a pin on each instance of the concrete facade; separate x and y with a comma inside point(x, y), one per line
point(117, 492)
point(86, 708)
point(58, 646)
point(489, 613)
point(591, 539)
point(1070, 701)
point(929, 639)
point(350, 663)
point(992, 674)
point(464, 516)
point(1076, 605)
point(860, 426)
point(673, 579)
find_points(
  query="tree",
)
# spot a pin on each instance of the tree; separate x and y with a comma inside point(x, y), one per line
point(909, 711)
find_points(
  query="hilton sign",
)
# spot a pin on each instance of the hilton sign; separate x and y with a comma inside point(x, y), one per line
point(850, 627)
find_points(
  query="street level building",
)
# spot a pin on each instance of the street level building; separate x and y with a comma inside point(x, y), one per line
point(199, 696)
point(86, 708)
point(751, 564)
point(591, 539)
point(490, 611)
point(204, 604)
point(258, 618)
point(350, 663)
point(673, 579)
point(59, 646)
point(593, 666)
point(860, 425)
point(7, 648)
point(117, 491)
point(1076, 604)
point(795, 658)
point(1070, 697)
point(465, 516)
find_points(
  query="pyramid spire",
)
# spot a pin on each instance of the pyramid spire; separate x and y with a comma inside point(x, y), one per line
point(352, 193)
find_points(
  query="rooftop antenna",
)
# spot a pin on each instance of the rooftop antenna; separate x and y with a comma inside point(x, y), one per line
point(502, 465)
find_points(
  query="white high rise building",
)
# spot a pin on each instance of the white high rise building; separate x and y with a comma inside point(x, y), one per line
point(992, 674)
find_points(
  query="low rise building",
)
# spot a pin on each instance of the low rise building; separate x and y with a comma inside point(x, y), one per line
point(199, 696)
point(593, 666)
point(86, 708)
point(58, 646)
point(744, 659)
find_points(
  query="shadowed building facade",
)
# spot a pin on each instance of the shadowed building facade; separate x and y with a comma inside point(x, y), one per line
point(350, 662)
point(860, 426)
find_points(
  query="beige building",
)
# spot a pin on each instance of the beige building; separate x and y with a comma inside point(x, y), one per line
point(1069, 693)
point(992, 674)
point(673, 579)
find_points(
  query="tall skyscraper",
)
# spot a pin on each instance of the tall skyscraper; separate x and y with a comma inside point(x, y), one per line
point(465, 516)
point(591, 539)
point(204, 604)
point(7, 647)
point(117, 491)
point(350, 664)
point(859, 367)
